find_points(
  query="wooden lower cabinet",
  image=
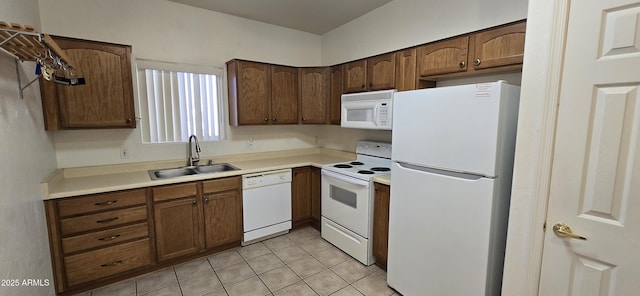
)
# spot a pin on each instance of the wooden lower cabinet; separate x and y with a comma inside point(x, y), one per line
point(305, 197)
point(222, 203)
point(88, 266)
point(99, 239)
point(96, 238)
point(300, 196)
point(177, 228)
point(381, 224)
point(186, 226)
point(316, 197)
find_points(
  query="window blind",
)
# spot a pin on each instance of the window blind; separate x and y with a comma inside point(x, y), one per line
point(179, 100)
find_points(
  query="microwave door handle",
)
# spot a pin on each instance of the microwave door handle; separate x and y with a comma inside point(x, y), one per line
point(375, 114)
point(345, 178)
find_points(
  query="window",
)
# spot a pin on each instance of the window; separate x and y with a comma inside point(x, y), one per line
point(179, 100)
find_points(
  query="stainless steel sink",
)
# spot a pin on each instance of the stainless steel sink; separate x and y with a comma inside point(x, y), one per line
point(191, 170)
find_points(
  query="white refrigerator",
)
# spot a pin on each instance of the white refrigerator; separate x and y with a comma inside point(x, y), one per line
point(451, 174)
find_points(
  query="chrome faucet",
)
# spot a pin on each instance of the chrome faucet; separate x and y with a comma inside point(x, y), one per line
point(191, 160)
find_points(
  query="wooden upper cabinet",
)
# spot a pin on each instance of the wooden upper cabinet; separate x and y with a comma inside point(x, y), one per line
point(335, 96)
point(381, 72)
point(355, 76)
point(406, 69)
point(284, 95)
point(249, 85)
point(502, 46)
point(314, 94)
point(374, 73)
point(104, 101)
point(443, 57)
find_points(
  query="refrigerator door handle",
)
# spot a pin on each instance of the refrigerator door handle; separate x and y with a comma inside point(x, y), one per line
point(344, 178)
point(459, 175)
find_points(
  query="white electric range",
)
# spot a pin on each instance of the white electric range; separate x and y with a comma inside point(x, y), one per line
point(348, 197)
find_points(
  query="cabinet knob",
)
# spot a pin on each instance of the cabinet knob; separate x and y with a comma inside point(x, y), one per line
point(266, 119)
point(206, 199)
point(129, 120)
point(304, 118)
point(462, 64)
point(275, 119)
point(477, 62)
point(194, 202)
point(363, 86)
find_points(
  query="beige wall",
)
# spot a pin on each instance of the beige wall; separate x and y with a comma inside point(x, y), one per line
point(405, 23)
point(28, 157)
point(168, 31)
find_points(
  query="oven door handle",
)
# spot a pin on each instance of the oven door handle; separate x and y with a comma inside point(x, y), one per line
point(344, 178)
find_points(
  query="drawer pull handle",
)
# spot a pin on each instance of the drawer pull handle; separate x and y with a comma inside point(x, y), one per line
point(107, 220)
point(108, 238)
point(114, 263)
point(106, 203)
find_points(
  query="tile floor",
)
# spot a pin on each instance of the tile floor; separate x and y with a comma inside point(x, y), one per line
point(299, 263)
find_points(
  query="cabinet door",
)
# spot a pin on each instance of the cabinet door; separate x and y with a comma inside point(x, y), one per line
point(381, 225)
point(314, 94)
point(177, 228)
point(222, 218)
point(443, 57)
point(249, 92)
point(355, 76)
point(406, 70)
point(284, 95)
point(381, 72)
point(316, 197)
point(335, 95)
point(105, 101)
point(502, 46)
point(301, 206)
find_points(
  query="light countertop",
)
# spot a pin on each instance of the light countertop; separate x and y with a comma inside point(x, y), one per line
point(384, 179)
point(98, 179)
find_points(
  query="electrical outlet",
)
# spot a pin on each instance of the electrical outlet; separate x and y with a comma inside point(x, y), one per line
point(249, 144)
point(124, 153)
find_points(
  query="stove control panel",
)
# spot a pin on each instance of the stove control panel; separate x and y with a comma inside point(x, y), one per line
point(378, 149)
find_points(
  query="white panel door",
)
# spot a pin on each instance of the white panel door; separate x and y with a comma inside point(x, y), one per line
point(454, 128)
point(595, 183)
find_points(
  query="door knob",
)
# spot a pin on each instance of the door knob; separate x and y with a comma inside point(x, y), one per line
point(563, 230)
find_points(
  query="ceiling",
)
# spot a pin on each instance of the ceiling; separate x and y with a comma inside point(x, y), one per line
point(313, 16)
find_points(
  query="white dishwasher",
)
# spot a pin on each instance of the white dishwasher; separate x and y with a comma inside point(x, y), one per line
point(266, 204)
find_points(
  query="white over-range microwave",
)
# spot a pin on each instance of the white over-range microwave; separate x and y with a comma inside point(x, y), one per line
point(367, 110)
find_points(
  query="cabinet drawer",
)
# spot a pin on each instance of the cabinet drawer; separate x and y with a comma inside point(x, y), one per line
point(174, 191)
point(102, 220)
point(101, 202)
point(105, 262)
point(104, 238)
point(219, 185)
